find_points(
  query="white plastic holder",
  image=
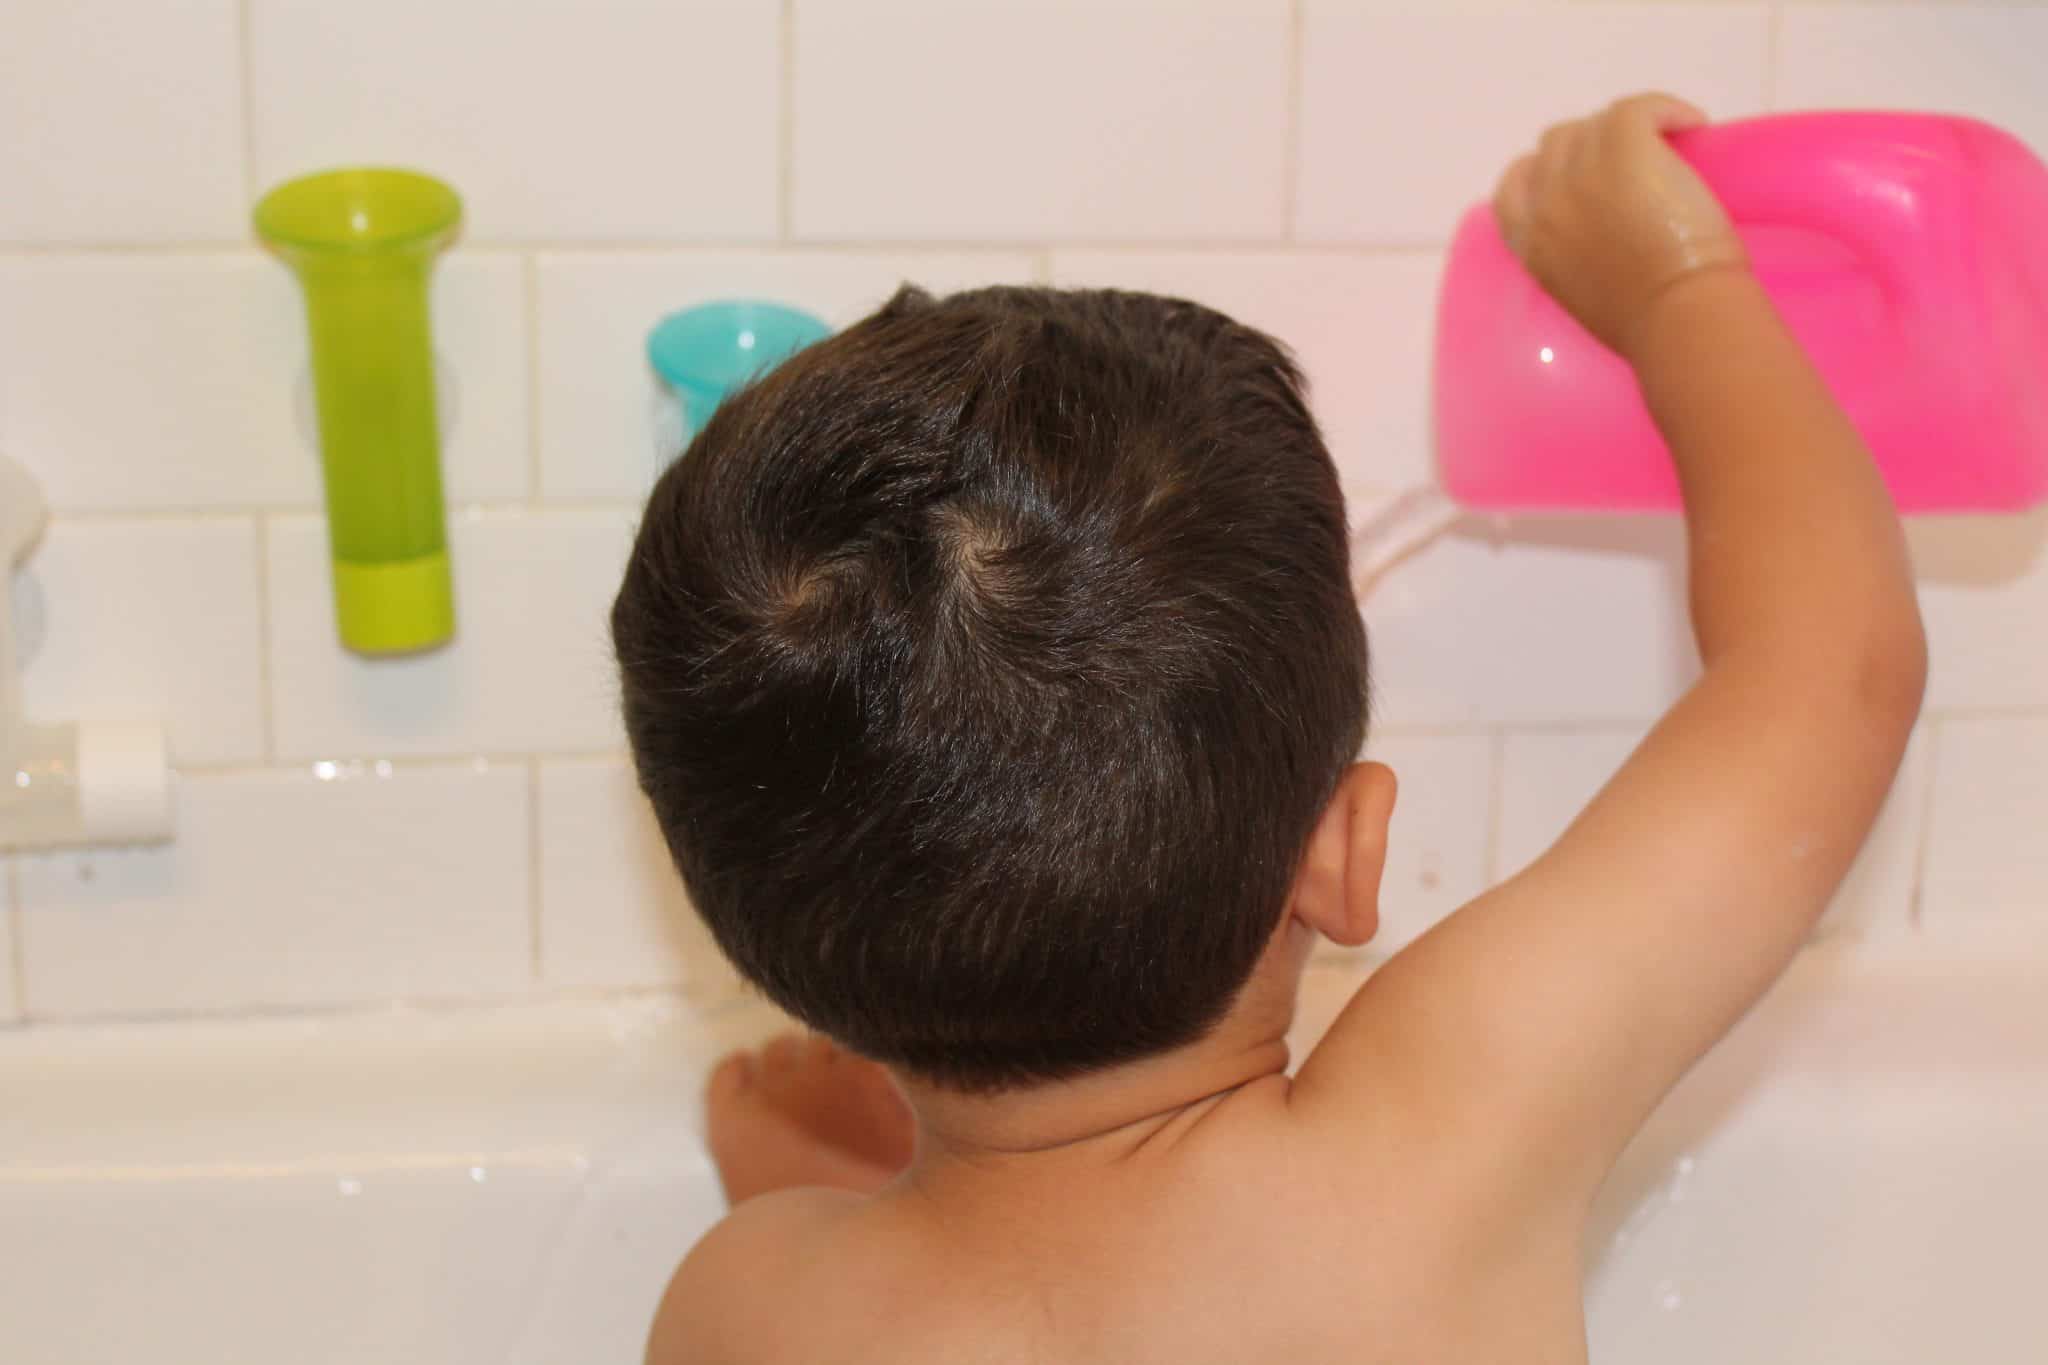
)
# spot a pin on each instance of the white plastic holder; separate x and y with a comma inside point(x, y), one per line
point(98, 782)
point(1388, 527)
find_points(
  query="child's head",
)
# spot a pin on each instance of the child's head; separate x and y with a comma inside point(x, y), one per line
point(988, 666)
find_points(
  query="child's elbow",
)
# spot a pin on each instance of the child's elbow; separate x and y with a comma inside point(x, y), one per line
point(1890, 678)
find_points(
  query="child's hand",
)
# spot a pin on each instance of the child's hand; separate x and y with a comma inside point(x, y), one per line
point(1607, 217)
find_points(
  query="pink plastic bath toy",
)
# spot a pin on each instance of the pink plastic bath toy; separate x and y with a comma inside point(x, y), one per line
point(1908, 253)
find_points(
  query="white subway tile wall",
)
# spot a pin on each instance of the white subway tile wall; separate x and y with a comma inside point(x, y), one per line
point(465, 822)
point(1361, 326)
point(179, 383)
point(1983, 60)
point(1981, 583)
point(529, 669)
point(1591, 614)
point(123, 122)
point(1987, 848)
point(598, 394)
point(1437, 852)
point(1409, 112)
point(598, 119)
point(142, 618)
point(10, 1001)
point(612, 910)
point(311, 886)
point(1009, 120)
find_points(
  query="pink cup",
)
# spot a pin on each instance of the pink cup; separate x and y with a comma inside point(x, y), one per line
point(1907, 252)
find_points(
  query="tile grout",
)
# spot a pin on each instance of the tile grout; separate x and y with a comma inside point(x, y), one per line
point(247, 71)
point(486, 507)
point(819, 246)
point(17, 952)
point(785, 130)
point(1916, 904)
point(1774, 28)
point(1498, 736)
point(349, 768)
point(536, 943)
point(530, 284)
point(708, 1004)
point(1290, 150)
point(1496, 801)
point(266, 694)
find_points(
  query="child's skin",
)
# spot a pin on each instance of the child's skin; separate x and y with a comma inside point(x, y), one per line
point(1419, 1191)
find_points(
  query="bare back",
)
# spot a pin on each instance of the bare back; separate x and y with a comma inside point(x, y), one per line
point(1237, 1234)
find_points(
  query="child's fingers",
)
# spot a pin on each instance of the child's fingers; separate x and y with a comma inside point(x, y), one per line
point(1658, 112)
point(1554, 148)
point(1511, 199)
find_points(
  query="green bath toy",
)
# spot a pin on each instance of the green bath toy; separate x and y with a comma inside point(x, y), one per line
point(362, 242)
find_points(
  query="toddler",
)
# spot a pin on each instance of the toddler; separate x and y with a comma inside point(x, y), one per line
point(994, 675)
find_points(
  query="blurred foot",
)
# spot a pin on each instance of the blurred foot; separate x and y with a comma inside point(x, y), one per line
point(804, 1111)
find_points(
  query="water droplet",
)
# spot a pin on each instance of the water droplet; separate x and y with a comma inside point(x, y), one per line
point(1546, 355)
point(479, 1174)
point(1668, 1297)
point(349, 1188)
point(326, 770)
point(383, 768)
point(746, 341)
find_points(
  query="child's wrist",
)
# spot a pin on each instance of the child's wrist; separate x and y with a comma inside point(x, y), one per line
point(1707, 296)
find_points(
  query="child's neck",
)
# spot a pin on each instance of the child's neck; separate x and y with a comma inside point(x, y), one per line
point(1102, 1117)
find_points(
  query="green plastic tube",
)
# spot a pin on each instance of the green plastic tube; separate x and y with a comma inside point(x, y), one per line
point(362, 242)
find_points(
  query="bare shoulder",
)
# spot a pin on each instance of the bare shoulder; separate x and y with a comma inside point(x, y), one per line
point(720, 1304)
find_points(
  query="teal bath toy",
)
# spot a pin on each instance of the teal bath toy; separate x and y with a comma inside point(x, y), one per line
point(704, 353)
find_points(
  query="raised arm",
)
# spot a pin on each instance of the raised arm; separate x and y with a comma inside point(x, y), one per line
point(1533, 1031)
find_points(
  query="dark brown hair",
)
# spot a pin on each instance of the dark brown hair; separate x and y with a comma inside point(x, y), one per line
point(988, 666)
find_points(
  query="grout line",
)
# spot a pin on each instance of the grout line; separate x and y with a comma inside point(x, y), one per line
point(2017, 712)
point(352, 768)
point(530, 282)
point(1569, 725)
point(200, 247)
point(1448, 730)
point(1638, 725)
point(1916, 916)
point(809, 246)
point(1290, 150)
point(97, 516)
point(1499, 735)
point(266, 691)
point(707, 1005)
point(480, 506)
point(1496, 793)
point(17, 952)
point(785, 132)
point(1136, 246)
point(246, 58)
point(1774, 28)
point(535, 942)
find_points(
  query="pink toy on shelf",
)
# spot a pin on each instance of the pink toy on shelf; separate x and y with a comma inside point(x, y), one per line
point(1908, 253)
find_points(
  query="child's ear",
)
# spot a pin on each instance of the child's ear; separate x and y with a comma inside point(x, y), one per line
point(1337, 890)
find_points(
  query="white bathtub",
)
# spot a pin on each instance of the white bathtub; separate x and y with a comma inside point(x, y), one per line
point(1861, 1176)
